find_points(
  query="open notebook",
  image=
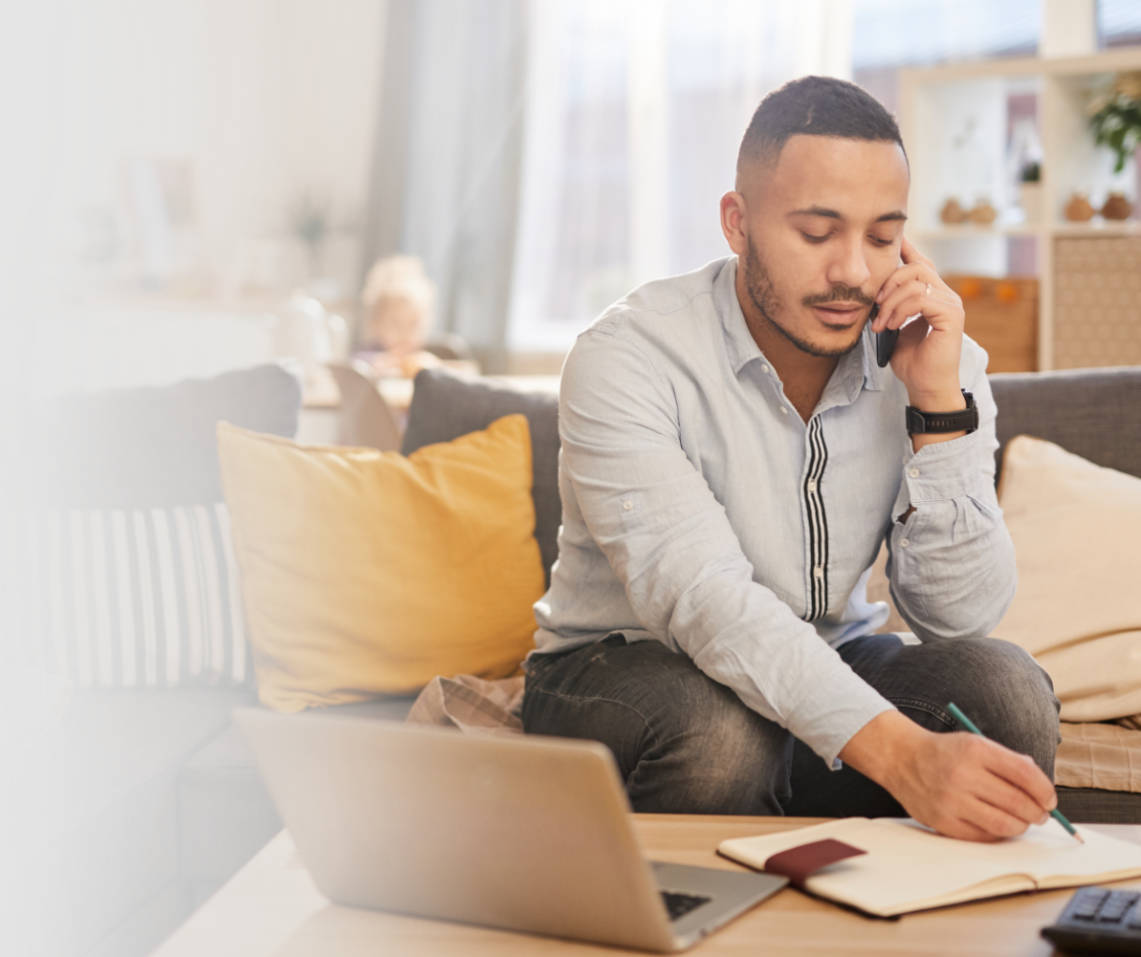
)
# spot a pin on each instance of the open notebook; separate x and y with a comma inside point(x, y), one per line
point(890, 866)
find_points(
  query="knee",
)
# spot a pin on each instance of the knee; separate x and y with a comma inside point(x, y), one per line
point(1010, 697)
point(711, 754)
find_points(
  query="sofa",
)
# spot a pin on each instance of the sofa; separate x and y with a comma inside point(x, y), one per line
point(155, 799)
point(1092, 413)
point(123, 697)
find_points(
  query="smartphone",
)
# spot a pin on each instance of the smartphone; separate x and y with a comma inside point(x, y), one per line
point(885, 341)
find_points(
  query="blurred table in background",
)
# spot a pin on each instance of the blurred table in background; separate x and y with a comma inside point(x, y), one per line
point(322, 401)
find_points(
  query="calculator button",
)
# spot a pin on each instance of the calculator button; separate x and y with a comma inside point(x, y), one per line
point(1087, 903)
point(1113, 910)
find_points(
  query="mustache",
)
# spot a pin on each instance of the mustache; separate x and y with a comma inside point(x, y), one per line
point(839, 294)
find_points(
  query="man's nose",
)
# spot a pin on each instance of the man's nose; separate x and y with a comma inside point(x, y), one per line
point(849, 267)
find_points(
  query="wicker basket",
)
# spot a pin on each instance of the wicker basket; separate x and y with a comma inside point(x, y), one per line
point(1097, 301)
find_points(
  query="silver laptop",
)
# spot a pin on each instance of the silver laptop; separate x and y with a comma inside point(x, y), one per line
point(520, 832)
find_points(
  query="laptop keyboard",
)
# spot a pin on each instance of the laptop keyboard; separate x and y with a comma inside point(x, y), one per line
point(678, 905)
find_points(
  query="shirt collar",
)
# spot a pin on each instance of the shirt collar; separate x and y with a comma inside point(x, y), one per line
point(739, 343)
point(855, 371)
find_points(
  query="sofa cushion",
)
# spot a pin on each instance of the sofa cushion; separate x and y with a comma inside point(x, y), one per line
point(131, 597)
point(1090, 412)
point(365, 572)
point(446, 406)
point(1099, 755)
point(152, 446)
point(1076, 528)
point(118, 557)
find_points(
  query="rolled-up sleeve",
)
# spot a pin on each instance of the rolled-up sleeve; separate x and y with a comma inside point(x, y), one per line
point(670, 543)
point(951, 563)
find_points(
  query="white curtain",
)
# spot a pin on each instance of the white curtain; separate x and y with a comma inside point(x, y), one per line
point(545, 156)
point(634, 113)
point(446, 168)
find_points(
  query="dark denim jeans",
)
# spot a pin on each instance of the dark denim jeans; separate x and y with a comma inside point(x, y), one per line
point(686, 744)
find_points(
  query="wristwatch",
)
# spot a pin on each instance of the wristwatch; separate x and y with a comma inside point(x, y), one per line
point(964, 420)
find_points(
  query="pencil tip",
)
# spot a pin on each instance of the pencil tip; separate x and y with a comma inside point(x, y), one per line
point(1079, 837)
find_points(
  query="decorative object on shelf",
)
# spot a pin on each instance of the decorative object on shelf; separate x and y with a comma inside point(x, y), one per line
point(1116, 206)
point(1078, 208)
point(302, 331)
point(953, 212)
point(982, 212)
point(310, 221)
point(1030, 192)
point(1116, 117)
point(1024, 165)
point(1006, 292)
point(969, 287)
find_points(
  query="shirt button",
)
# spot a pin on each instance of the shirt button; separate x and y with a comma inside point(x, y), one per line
point(904, 542)
point(818, 572)
point(766, 370)
point(914, 473)
point(812, 485)
point(627, 505)
point(783, 410)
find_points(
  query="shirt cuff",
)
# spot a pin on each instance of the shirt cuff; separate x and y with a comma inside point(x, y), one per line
point(827, 732)
point(947, 470)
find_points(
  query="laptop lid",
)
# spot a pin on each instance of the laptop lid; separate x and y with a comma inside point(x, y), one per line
point(510, 831)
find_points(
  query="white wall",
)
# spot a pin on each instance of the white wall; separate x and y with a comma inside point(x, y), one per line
point(267, 100)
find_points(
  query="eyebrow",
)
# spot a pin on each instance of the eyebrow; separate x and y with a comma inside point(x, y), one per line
point(897, 215)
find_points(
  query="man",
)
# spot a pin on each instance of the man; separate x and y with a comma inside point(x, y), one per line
point(732, 458)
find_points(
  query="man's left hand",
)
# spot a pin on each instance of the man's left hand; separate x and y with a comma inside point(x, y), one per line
point(926, 358)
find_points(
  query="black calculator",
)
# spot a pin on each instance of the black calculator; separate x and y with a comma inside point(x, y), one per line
point(1098, 920)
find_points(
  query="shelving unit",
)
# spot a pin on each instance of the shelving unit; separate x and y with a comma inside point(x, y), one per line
point(955, 125)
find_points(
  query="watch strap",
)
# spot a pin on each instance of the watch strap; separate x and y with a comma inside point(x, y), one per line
point(961, 420)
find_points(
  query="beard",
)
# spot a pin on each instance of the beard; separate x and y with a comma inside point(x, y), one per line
point(762, 294)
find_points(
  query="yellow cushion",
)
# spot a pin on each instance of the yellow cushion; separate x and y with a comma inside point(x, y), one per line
point(365, 572)
point(1076, 528)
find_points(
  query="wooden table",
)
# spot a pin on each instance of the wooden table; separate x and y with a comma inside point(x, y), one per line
point(271, 907)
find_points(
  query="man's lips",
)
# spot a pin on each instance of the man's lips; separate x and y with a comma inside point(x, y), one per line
point(840, 314)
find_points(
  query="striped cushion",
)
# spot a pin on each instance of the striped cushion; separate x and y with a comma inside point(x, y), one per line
point(134, 598)
point(115, 552)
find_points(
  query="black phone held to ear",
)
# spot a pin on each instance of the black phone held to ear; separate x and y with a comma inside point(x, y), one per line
point(885, 341)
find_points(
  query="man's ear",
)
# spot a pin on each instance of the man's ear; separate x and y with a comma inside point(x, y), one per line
point(733, 221)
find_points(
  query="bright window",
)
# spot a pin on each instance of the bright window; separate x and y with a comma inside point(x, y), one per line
point(635, 113)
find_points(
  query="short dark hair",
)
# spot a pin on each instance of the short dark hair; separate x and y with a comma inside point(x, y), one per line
point(816, 106)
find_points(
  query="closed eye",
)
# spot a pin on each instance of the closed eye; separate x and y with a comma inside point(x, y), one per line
point(812, 238)
point(877, 241)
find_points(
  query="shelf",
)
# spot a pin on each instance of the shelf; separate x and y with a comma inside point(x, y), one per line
point(956, 124)
point(1128, 227)
point(967, 231)
point(1108, 61)
point(1094, 228)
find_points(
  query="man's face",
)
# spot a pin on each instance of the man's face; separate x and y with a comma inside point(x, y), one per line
point(823, 228)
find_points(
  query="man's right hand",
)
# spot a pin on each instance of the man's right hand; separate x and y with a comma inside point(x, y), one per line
point(962, 785)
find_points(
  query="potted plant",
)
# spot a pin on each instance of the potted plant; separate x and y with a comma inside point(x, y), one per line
point(1116, 118)
point(1030, 191)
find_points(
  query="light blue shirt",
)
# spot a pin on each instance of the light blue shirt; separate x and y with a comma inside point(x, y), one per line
point(701, 511)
